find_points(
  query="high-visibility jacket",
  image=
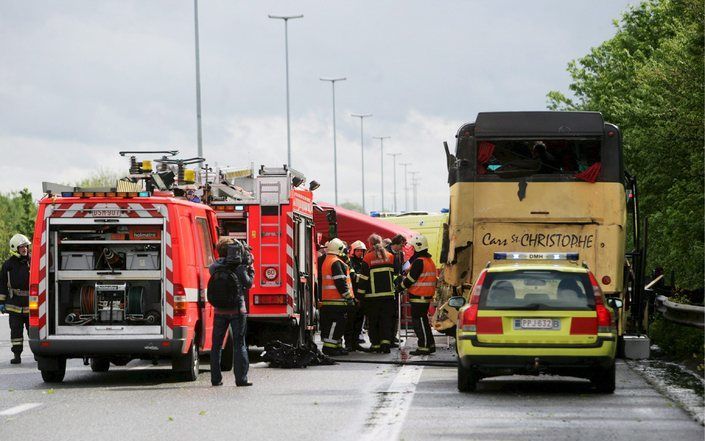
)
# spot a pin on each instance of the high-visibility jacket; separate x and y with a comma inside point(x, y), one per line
point(336, 285)
point(377, 276)
point(14, 285)
point(421, 280)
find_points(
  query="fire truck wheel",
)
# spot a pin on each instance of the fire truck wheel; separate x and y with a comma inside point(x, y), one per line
point(100, 364)
point(226, 356)
point(55, 375)
point(190, 364)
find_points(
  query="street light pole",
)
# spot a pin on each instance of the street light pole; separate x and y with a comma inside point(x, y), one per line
point(414, 185)
point(335, 147)
point(406, 186)
point(394, 161)
point(381, 170)
point(362, 116)
point(286, 19)
point(198, 88)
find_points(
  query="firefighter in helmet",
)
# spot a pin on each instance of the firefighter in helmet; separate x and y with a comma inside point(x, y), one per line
point(420, 283)
point(336, 296)
point(376, 284)
point(14, 292)
point(356, 315)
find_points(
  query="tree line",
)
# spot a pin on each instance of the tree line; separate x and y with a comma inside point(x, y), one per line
point(648, 79)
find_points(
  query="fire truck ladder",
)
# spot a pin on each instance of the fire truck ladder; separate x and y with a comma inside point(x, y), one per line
point(270, 193)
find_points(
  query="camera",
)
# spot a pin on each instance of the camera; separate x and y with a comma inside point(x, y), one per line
point(235, 254)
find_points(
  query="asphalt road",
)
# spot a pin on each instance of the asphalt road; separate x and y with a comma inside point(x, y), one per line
point(353, 401)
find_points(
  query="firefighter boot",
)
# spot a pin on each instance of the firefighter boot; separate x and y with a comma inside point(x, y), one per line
point(17, 359)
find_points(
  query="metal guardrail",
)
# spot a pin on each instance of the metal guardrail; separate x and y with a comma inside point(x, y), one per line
point(689, 315)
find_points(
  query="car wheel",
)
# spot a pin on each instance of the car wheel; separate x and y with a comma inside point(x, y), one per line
point(467, 378)
point(190, 364)
point(55, 375)
point(605, 380)
point(100, 364)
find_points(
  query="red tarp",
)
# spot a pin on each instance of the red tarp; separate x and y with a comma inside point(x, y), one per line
point(354, 226)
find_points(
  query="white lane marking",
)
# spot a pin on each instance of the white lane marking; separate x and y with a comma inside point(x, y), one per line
point(18, 409)
point(387, 419)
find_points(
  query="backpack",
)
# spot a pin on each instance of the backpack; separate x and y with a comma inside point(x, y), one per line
point(225, 289)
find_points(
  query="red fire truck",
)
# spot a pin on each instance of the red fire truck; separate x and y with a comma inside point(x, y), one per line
point(119, 274)
point(273, 213)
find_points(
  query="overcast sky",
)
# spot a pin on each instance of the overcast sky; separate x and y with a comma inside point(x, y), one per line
point(81, 80)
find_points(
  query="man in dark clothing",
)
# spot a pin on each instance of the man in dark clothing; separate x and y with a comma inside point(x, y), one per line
point(14, 292)
point(236, 318)
point(396, 247)
point(355, 314)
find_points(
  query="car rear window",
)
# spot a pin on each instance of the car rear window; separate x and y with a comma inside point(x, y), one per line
point(537, 290)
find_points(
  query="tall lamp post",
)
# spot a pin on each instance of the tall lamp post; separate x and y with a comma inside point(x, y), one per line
point(362, 116)
point(335, 148)
point(198, 88)
point(394, 161)
point(286, 19)
point(406, 185)
point(381, 169)
point(414, 184)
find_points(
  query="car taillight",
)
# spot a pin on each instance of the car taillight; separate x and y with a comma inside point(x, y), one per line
point(278, 299)
point(489, 325)
point(604, 318)
point(34, 305)
point(180, 304)
point(583, 326)
point(468, 319)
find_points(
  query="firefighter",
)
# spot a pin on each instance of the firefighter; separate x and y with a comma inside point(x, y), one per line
point(356, 315)
point(14, 292)
point(377, 286)
point(420, 283)
point(336, 296)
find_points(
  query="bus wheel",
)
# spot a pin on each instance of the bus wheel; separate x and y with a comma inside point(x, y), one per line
point(226, 356)
point(100, 364)
point(55, 375)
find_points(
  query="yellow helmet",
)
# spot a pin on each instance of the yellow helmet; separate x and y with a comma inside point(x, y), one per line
point(419, 242)
point(336, 247)
point(18, 240)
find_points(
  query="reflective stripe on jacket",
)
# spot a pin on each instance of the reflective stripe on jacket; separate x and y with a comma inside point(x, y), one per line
point(336, 285)
point(422, 278)
point(377, 277)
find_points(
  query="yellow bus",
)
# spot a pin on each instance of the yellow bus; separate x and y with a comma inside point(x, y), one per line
point(430, 225)
point(541, 182)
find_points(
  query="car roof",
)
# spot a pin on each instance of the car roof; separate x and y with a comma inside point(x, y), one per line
point(566, 267)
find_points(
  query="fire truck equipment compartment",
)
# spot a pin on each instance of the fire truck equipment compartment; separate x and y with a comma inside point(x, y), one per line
point(148, 260)
point(79, 260)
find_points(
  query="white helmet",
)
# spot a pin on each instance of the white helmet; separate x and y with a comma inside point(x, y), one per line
point(336, 247)
point(17, 241)
point(358, 245)
point(419, 242)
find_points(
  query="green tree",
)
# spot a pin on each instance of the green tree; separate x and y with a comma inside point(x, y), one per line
point(352, 206)
point(648, 79)
point(101, 178)
point(17, 215)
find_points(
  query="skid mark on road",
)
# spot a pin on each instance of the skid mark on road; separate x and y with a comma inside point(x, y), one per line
point(387, 417)
point(19, 409)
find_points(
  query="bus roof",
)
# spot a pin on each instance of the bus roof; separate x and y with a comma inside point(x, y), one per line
point(539, 124)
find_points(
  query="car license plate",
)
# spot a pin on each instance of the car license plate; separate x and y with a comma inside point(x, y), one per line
point(106, 213)
point(537, 323)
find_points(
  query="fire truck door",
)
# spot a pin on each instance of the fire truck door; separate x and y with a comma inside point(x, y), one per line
point(304, 272)
point(204, 245)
